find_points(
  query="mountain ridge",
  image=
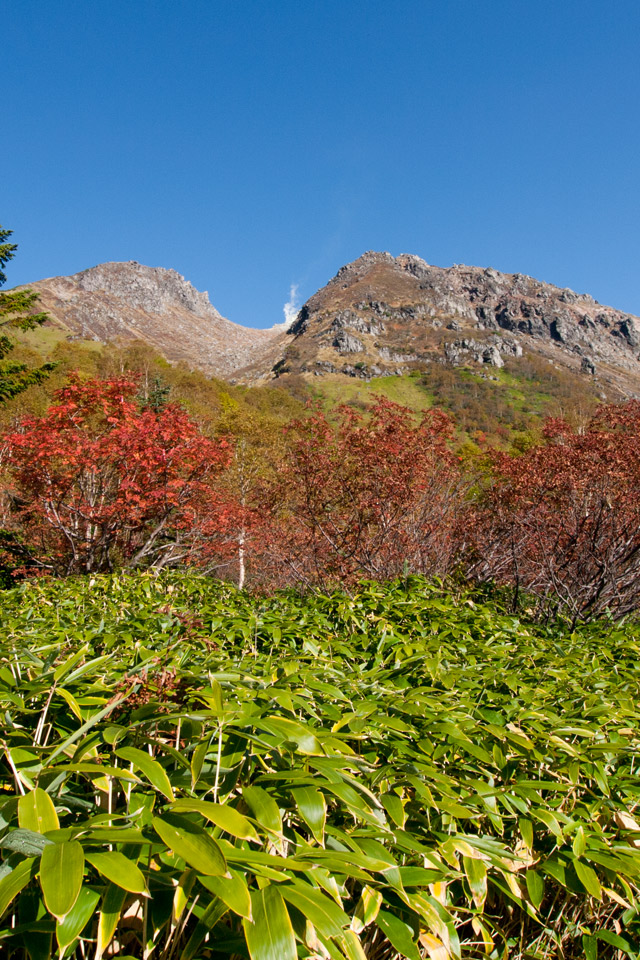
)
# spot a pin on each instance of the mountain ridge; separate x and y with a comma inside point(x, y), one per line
point(379, 315)
point(130, 301)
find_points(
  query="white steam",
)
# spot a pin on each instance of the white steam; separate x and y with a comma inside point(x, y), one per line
point(292, 306)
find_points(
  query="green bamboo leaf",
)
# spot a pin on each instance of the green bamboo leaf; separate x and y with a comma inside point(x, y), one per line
point(195, 846)
point(36, 812)
point(70, 663)
point(61, 869)
point(153, 771)
point(304, 739)
point(399, 935)
point(224, 816)
point(394, 808)
point(119, 869)
point(264, 808)
point(367, 908)
point(320, 910)
point(579, 844)
point(535, 887)
point(27, 842)
point(620, 943)
point(78, 917)
point(183, 892)
point(211, 916)
point(197, 761)
point(476, 873)
point(71, 701)
point(312, 807)
point(112, 904)
point(270, 934)
point(12, 883)
point(80, 732)
point(351, 946)
point(232, 890)
point(588, 878)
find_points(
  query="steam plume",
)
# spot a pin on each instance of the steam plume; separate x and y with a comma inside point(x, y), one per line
point(292, 306)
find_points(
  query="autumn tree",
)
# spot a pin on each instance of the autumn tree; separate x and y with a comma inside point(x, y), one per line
point(99, 482)
point(561, 521)
point(377, 496)
point(17, 312)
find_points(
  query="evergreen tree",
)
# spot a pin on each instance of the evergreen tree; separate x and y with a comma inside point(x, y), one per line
point(17, 313)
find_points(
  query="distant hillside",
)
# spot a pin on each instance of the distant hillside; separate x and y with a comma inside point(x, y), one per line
point(128, 301)
point(384, 316)
point(498, 351)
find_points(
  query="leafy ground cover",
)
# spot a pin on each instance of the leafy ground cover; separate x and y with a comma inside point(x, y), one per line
point(191, 772)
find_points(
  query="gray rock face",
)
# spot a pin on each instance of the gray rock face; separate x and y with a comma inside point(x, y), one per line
point(400, 311)
point(346, 343)
point(152, 289)
point(128, 301)
point(491, 351)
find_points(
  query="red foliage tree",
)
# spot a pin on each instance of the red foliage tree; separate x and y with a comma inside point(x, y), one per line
point(99, 482)
point(562, 520)
point(377, 496)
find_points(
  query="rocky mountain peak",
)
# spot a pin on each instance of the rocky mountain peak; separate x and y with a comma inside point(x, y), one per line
point(129, 301)
point(154, 289)
point(383, 316)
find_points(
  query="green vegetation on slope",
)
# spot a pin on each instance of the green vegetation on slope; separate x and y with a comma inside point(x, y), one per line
point(191, 772)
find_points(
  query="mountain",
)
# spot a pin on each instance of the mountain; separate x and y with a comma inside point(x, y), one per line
point(128, 301)
point(380, 316)
point(385, 316)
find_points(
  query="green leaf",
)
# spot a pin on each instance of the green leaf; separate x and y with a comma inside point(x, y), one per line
point(26, 842)
point(195, 846)
point(535, 887)
point(476, 873)
point(264, 808)
point(394, 808)
point(36, 812)
point(80, 732)
point(211, 916)
point(270, 934)
point(224, 816)
point(61, 869)
point(14, 882)
point(118, 869)
point(69, 664)
point(197, 760)
point(312, 807)
point(112, 904)
point(367, 908)
point(579, 844)
point(319, 909)
point(77, 918)
point(232, 890)
point(153, 771)
point(399, 935)
point(608, 936)
point(588, 878)
point(304, 739)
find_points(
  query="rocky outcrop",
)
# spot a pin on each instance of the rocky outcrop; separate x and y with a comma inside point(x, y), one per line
point(396, 313)
point(379, 316)
point(128, 301)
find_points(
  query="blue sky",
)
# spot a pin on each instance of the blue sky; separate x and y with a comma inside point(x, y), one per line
point(255, 145)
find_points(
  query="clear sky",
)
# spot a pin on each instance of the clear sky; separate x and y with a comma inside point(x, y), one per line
point(255, 145)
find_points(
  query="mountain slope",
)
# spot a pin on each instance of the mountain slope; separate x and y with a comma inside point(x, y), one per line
point(382, 316)
point(128, 301)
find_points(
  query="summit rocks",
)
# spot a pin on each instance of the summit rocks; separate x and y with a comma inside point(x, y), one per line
point(379, 316)
point(384, 315)
point(128, 301)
